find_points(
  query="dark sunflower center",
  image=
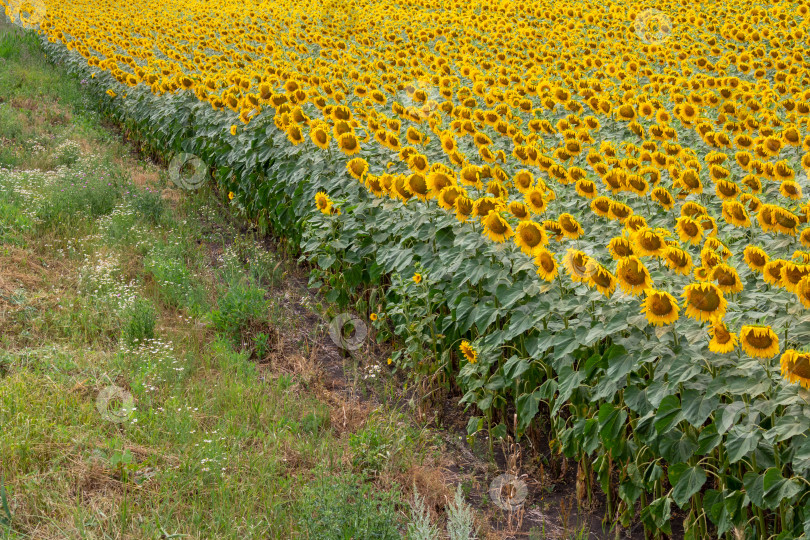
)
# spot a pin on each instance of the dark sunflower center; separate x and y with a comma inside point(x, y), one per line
point(660, 305)
point(762, 341)
point(531, 236)
point(496, 225)
point(801, 366)
point(547, 263)
point(705, 300)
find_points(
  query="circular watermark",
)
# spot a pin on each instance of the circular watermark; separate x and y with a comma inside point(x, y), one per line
point(508, 492)
point(187, 171)
point(342, 15)
point(652, 26)
point(420, 99)
point(347, 331)
point(26, 13)
point(115, 404)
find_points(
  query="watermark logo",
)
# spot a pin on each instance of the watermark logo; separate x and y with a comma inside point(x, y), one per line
point(187, 171)
point(420, 99)
point(26, 13)
point(115, 404)
point(652, 26)
point(508, 492)
point(347, 331)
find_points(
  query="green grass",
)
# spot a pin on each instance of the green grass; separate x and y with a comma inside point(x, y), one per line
point(124, 290)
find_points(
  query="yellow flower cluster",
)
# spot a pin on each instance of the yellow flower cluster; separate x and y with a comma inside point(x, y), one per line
point(546, 123)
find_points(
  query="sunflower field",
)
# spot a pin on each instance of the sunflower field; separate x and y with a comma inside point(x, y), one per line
point(603, 205)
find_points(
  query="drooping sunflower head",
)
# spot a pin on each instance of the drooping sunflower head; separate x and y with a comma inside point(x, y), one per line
point(349, 144)
point(755, 258)
point(759, 341)
point(772, 271)
point(357, 167)
point(678, 260)
point(633, 276)
point(546, 264)
point(620, 247)
point(464, 207)
point(619, 211)
point(576, 264)
point(734, 213)
point(601, 206)
point(802, 290)
point(600, 278)
point(523, 181)
point(447, 196)
point(660, 307)
point(704, 301)
point(722, 341)
point(484, 205)
point(535, 200)
point(468, 351)
point(689, 230)
point(792, 274)
point(727, 278)
point(570, 226)
point(530, 237)
point(663, 197)
point(496, 227)
point(796, 367)
point(519, 210)
point(648, 242)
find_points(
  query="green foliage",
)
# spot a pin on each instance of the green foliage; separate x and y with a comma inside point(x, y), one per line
point(654, 400)
point(241, 305)
point(342, 507)
point(138, 322)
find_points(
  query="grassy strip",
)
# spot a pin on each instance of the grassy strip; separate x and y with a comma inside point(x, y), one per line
point(107, 290)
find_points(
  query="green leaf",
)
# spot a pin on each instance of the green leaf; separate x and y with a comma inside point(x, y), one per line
point(669, 412)
point(686, 481)
point(714, 503)
point(656, 515)
point(611, 424)
point(527, 406)
point(677, 446)
point(697, 408)
point(741, 441)
point(708, 440)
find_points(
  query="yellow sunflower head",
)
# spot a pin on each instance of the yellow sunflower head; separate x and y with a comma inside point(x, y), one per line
point(759, 341)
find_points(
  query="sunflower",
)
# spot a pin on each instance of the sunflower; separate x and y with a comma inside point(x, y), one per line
point(659, 307)
point(496, 227)
point(600, 278)
point(792, 274)
point(601, 206)
point(727, 278)
point(349, 144)
point(570, 226)
point(689, 230)
point(448, 195)
point(662, 197)
point(704, 301)
point(417, 185)
point(546, 265)
point(619, 211)
point(759, 341)
point(400, 189)
point(233, 127)
point(802, 290)
point(735, 214)
point(585, 188)
point(464, 207)
point(535, 200)
point(468, 351)
point(530, 237)
point(437, 180)
point(377, 184)
point(620, 247)
point(790, 189)
point(357, 167)
point(575, 263)
point(319, 136)
point(323, 202)
point(722, 340)
point(635, 223)
point(678, 260)
point(633, 276)
point(523, 181)
point(417, 278)
point(784, 221)
point(796, 367)
point(484, 205)
point(755, 258)
point(647, 242)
